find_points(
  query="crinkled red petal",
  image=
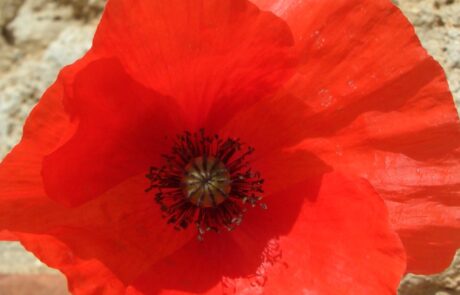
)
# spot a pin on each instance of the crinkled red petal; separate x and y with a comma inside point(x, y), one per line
point(118, 235)
point(85, 276)
point(121, 259)
point(21, 183)
point(214, 56)
point(378, 106)
point(120, 232)
point(121, 129)
point(325, 235)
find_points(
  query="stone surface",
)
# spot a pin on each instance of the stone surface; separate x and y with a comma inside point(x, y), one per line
point(41, 284)
point(44, 19)
point(38, 37)
point(446, 283)
point(15, 260)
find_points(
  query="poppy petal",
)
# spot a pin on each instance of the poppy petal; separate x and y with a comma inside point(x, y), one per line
point(120, 131)
point(85, 276)
point(378, 106)
point(123, 220)
point(340, 234)
point(124, 228)
point(341, 243)
point(48, 125)
point(7, 236)
point(214, 56)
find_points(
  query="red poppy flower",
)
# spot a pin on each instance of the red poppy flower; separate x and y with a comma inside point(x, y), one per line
point(277, 124)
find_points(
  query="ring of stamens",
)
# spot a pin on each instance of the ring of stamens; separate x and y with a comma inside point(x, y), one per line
point(206, 181)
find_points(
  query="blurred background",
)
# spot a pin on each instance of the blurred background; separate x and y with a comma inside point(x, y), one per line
point(38, 37)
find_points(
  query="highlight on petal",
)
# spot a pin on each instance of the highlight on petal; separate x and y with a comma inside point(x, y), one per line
point(339, 241)
point(378, 106)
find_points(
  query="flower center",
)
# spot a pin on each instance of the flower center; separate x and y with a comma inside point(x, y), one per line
point(206, 181)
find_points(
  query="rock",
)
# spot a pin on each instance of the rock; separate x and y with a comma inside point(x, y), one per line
point(87, 9)
point(15, 260)
point(446, 283)
point(38, 22)
point(72, 43)
point(42, 284)
point(8, 10)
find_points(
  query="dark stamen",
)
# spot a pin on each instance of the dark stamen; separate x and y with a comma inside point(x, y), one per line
point(206, 181)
